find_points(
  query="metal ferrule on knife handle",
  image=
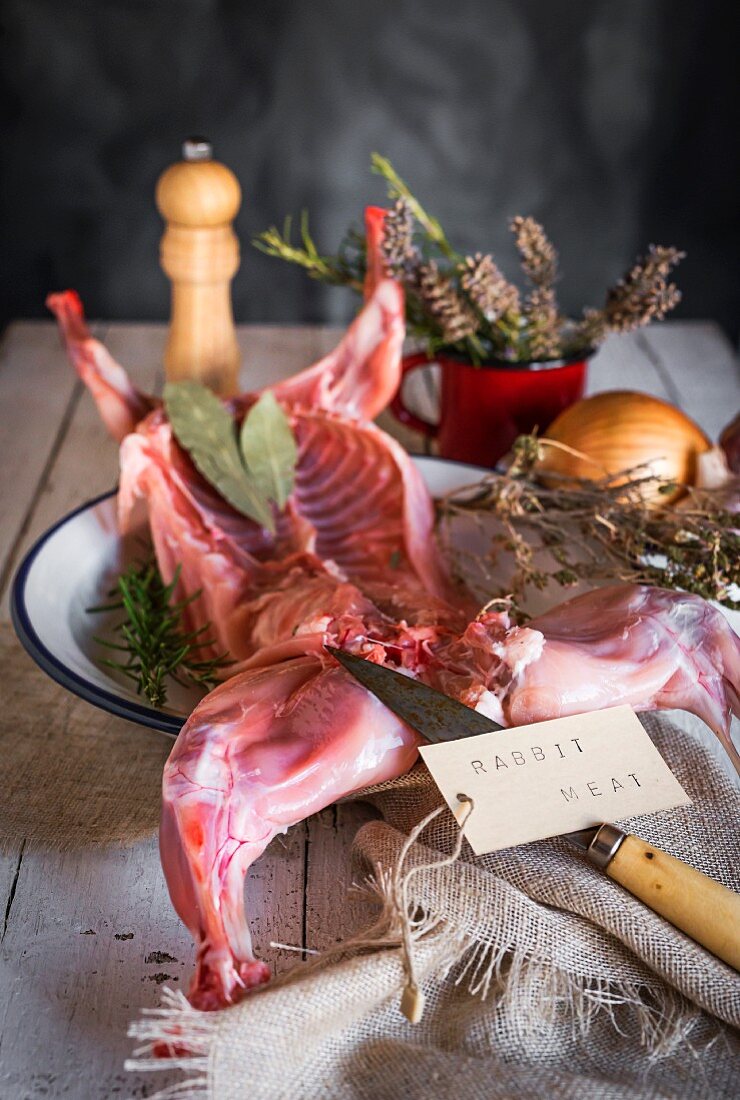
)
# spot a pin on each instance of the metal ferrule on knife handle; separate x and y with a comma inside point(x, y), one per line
point(692, 902)
point(604, 846)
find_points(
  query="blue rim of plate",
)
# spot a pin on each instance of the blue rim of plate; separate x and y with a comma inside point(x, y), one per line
point(72, 681)
point(56, 669)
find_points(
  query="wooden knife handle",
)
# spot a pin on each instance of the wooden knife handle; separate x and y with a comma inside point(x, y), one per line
point(694, 903)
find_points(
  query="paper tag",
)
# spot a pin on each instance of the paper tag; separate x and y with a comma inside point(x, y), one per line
point(554, 777)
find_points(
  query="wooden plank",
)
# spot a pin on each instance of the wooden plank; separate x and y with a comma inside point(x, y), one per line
point(275, 899)
point(61, 979)
point(333, 911)
point(138, 348)
point(271, 352)
point(700, 369)
point(10, 865)
point(37, 396)
point(91, 937)
point(79, 963)
point(623, 363)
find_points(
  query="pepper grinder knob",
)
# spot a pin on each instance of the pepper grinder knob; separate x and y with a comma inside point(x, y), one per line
point(199, 199)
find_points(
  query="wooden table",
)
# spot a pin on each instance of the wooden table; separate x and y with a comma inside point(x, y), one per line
point(65, 997)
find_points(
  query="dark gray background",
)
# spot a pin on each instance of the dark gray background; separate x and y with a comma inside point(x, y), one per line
point(612, 121)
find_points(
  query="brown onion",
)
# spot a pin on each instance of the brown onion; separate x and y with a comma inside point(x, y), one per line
point(620, 430)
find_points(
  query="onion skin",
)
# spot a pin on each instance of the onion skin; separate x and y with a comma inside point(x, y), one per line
point(729, 441)
point(621, 429)
point(714, 474)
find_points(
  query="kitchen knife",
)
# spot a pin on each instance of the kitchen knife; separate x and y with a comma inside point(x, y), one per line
point(700, 907)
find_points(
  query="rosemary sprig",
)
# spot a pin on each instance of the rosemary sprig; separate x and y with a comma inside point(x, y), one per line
point(597, 530)
point(347, 268)
point(151, 638)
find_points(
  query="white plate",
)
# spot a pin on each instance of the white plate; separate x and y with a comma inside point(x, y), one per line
point(73, 566)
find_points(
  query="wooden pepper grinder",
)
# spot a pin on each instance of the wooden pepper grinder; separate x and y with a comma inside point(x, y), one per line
point(198, 199)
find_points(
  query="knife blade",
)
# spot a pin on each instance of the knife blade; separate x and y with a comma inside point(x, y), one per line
point(702, 908)
point(437, 717)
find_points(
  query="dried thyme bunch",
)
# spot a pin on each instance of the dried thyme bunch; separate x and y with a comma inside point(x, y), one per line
point(463, 304)
point(596, 531)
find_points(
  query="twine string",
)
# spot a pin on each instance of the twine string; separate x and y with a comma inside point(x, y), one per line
point(412, 1002)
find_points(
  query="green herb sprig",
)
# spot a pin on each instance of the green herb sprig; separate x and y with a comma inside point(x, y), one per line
point(346, 268)
point(151, 639)
point(398, 190)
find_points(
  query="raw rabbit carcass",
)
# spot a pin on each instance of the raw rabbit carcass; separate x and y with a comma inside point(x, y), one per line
point(353, 563)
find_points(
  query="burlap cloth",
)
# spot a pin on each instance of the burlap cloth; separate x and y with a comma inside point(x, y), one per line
point(542, 978)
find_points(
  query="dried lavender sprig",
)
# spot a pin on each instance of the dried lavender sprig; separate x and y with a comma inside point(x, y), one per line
point(644, 294)
point(488, 290)
point(439, 311)
point(590, 331)
point(543, 324)
point(539, 258)
point(401, 255)
point(456, 319)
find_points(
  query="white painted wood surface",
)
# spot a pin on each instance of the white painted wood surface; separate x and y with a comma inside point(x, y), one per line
point(66, 994)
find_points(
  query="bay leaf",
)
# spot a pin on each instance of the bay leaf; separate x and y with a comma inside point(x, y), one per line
point(269, 449)
point(205, 429)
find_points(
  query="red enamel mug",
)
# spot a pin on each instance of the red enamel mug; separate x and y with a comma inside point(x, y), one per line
point(483, 409)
